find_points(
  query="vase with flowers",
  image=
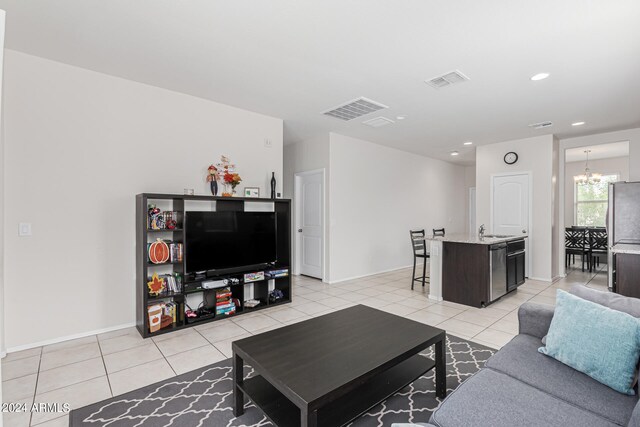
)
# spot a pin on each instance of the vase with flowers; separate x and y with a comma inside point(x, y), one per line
point(231, 180)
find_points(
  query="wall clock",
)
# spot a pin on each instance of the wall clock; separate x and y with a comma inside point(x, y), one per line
point(510, 158)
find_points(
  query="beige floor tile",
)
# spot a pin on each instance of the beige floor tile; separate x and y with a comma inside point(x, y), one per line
point(225, 345)
point(544, 300)
point(475, 318)
point(223, 332)
point(18, 418)
point(181, 344)
point(426, 317)
point(179, 333)
point(334, 302)
point(254, 323)
point(528, 290)
point(77, 395)
point(69, 344)
point(375, 302)
point(132, 357)
point(454, 305)
point(311, 308)
point(118, 333)
point(507, 326)
point(370, 292)
point(417, 303)
point(457, 327)
point(194, 359)
point(63, 421)
point(286, 314)
point(19, 388)
point(67, 356)
point(487, 344)
point(496, 313)
point(505, 305)
point(443, 310)
point(17, 355)
point(294, 321)
point(511, 317)
point(123, 342)
point(267, 329)
point(398, 309)
point(20, 368)
point(498, 338)
point(140, 376)
point(70, 374)
point(299, 301)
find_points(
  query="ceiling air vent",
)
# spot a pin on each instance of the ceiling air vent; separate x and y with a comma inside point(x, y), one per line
point(448, 79)
point(541, 125)
point(354, 109)
point(378, 122)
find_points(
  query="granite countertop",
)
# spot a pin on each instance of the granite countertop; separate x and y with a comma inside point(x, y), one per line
point(475, 239)
point(626, 248)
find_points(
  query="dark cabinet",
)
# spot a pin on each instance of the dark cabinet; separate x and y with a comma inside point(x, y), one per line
point(628, 275)
point(515, 264)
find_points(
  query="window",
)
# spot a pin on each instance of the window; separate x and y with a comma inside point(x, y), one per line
point(591, 202)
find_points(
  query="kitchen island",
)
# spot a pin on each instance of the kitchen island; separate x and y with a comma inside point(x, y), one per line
point(474, 270)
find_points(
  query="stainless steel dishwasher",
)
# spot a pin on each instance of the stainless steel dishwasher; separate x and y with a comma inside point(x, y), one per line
point(498, 271)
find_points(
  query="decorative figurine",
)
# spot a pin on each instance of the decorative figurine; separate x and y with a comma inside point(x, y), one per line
point(156, 285)
point(154, 217)
point(212, 179)
point(273, 185)
point(158, 252)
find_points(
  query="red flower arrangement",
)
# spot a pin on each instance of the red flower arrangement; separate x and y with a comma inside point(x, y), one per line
point(232, 179)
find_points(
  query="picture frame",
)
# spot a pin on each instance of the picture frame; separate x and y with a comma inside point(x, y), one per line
point(252, 192)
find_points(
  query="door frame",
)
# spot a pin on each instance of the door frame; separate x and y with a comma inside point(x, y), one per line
point(529, 174)
point(472, 196)
point(296, 223)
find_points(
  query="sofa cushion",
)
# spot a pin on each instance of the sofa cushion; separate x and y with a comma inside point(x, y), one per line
point(599, 341)
point(520, 359)
point(493, 399)
point(608, 299)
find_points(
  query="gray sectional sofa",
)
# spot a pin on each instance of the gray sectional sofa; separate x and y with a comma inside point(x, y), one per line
point(521, 387)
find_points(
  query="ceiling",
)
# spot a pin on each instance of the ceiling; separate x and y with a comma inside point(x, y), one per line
point(602, 151)
point(295, 59)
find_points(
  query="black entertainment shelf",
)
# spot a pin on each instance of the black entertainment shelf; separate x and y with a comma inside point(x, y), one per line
point(144, 269)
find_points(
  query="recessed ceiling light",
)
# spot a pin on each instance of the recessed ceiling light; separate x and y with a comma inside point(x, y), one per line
point(577, 124)
point(401, 117)
point(540, 76)
point(454, 153)
point(467, 143)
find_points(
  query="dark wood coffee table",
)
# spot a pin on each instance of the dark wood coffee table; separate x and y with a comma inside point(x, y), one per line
point(331, 369)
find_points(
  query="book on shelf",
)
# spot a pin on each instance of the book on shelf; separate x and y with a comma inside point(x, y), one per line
point(172, 284)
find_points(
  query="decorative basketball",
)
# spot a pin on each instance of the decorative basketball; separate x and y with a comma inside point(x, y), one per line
point(158, 252)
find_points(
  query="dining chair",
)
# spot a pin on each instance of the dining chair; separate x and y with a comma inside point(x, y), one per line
point(576, 243)
point(419, 246)
point(597, 245)
point(438, 232)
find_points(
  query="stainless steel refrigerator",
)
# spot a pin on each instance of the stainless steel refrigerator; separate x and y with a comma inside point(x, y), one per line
point(623, 224)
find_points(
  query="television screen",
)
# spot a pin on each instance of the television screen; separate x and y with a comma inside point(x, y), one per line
point(226, 240)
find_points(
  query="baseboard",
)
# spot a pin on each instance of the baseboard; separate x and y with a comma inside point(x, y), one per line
point(3, 354)
point(333, 282)
point(432, 298)
point(540, 279)
point(67, 338)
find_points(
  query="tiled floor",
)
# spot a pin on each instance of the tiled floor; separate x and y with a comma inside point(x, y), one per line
point(90, 369)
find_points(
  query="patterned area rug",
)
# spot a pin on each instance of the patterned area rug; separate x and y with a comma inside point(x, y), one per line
point(204, 397)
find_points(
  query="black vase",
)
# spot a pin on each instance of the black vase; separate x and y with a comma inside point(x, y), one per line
point(214, 187)
point(273, 185)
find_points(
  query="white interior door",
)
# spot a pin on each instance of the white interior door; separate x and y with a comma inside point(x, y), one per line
point(510, 209)
point(310, 223)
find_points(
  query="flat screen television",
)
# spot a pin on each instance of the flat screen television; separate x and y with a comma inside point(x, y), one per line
point(227, 241)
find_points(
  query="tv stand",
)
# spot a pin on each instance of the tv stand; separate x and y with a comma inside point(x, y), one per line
point(191, 285)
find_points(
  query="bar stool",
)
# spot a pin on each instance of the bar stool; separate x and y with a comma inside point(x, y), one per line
point(419, 251)
point(438, 232)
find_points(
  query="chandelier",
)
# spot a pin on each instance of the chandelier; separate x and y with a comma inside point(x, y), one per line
point(588, 177)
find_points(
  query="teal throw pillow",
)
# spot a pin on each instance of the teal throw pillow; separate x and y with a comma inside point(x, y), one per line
point(596, 340)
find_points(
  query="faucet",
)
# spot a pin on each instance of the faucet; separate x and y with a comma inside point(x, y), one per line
point(481, 231)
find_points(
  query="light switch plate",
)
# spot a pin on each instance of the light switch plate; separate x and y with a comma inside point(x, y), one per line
point(24, 229)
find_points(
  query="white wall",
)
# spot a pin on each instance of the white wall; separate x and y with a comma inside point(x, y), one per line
point(2, 300)
point(615, 165)
point(79, 146)
point(535, 155)
point(304, 157)
point(377, 195)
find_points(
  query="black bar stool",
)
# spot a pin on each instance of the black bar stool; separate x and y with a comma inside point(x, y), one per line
point(419, 246)
point(438, 232)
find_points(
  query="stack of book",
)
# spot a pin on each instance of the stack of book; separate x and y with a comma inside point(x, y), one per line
point(176, 252)
point(224, 302)
point(274, 274)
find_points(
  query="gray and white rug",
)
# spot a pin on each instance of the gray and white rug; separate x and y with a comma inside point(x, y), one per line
point(204, 398)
